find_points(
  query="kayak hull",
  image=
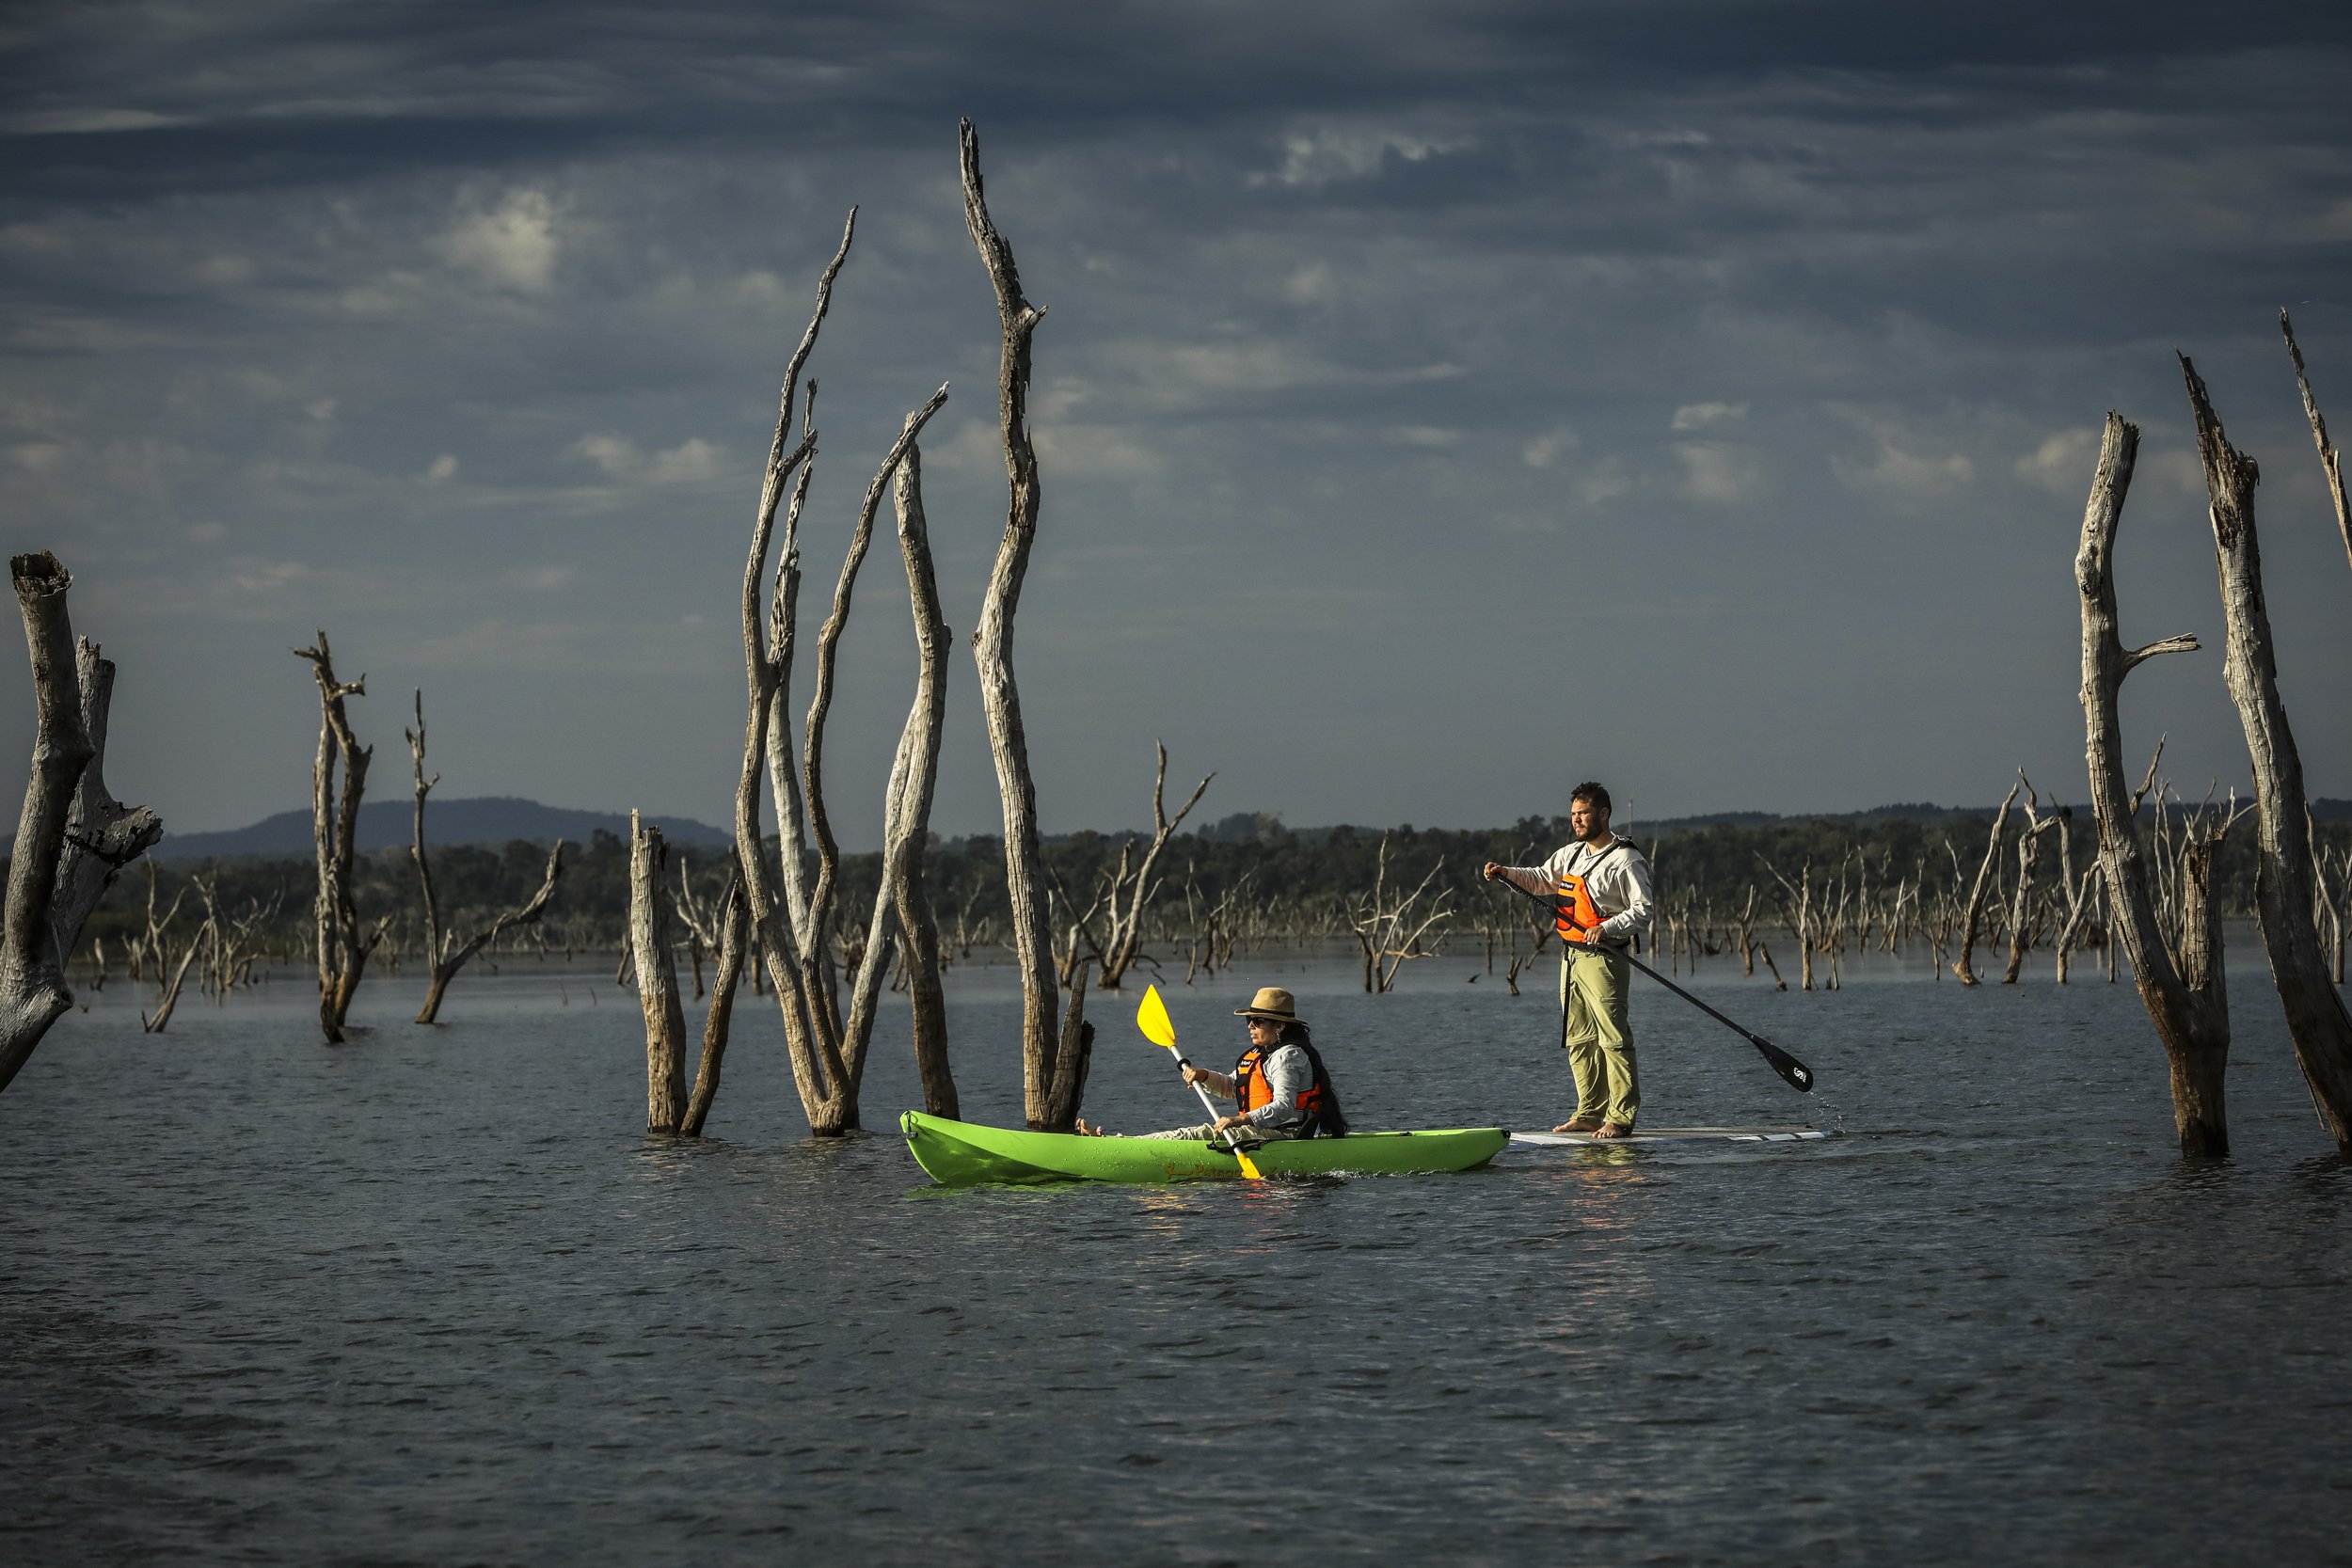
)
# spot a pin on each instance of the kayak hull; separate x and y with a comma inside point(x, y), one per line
point(963, 1154)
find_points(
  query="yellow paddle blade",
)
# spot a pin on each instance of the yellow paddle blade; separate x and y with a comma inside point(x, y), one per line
point(1151, 1017)
point(1248, 1167)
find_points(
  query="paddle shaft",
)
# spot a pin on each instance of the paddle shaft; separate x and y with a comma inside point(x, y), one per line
point(1210, 1105)
point(1793, 1072)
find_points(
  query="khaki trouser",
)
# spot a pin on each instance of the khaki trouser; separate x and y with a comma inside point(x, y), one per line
point(1248, 1137)
point(1600, 1039)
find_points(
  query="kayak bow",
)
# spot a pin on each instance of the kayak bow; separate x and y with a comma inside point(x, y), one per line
point(962, 1154)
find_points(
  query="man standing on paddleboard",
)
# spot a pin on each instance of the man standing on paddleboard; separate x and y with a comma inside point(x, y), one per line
point(1599, 885)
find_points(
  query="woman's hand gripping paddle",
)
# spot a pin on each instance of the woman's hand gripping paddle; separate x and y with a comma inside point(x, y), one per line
point(1160, 1029)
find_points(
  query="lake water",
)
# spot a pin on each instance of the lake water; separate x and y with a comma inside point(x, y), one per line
point(435, 1298)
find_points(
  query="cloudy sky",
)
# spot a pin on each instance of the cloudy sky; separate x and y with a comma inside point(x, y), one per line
point(1438, 403)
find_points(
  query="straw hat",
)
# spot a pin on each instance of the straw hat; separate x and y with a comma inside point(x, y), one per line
point(1271, 1002)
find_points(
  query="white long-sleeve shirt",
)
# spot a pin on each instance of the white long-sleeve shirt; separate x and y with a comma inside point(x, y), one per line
point(1616, 875)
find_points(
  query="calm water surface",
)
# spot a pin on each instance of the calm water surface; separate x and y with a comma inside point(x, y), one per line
point(434, 1298)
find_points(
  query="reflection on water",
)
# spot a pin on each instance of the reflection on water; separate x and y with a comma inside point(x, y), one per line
point(437, 1298)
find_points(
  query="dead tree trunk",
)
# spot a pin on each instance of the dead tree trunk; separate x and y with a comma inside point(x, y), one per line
point(2317, 1019)
point(2184, 993)
point(907, 819)
point(734, 935)
point(342, 948)
point(1389, 929)
point(71, 836)
point(2330, 460)
point(1126, 930)
point(791, 917)
point(657, 978)
point(2022, 928)
point(1798, 905)
point(179, 977)
point(1049, 1075)
point(1973, 919)
point(444, 955)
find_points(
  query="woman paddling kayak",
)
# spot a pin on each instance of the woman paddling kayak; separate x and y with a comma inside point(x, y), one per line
point(1279, 1083)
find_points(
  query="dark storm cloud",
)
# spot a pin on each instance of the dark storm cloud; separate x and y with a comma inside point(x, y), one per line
point(1751, 349)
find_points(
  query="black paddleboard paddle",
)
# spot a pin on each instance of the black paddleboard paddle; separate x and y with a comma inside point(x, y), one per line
point(1793, 1072)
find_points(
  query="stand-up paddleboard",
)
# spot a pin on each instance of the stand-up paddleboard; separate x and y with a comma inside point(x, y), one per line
point(1653, 1136)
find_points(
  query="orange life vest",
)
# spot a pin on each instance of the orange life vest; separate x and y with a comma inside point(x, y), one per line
point(1578, 916)
point(1318, 1103)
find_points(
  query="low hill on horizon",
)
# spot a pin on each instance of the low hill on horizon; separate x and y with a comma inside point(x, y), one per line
point(499, 819)
point(385, 825)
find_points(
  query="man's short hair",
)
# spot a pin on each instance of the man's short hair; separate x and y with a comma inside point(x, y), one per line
point(1592, 795)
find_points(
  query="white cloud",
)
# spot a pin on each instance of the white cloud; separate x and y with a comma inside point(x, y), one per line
point(542, 579)
point(1335, 152)
point(37, 457)
point(1421, 436)
point(689, 461)
point(1897, 467)
point(209, 533)
point(2063, 462)
point(1714, 472)
point(1546, 449)
point(513, 243)
point(1699, 415)
point(225, 272)
point(254, 577)
point(616, 456)
point(319, 409)
point(1308, 285)
point(2179, 467)
point(1069, 448)
point(444, 468)
point(69, 122)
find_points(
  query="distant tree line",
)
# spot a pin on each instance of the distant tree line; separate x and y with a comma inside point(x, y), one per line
point(1294, 881)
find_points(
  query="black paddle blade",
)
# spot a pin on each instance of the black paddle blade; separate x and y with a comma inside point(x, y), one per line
point(1793, 1072)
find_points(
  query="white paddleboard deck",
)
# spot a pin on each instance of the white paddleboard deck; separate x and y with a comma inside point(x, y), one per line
point(1654, 1136)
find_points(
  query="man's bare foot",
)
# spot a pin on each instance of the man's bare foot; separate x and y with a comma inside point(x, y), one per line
point(1612, 1129)
point(1086, 1131)
point(1578, 1125)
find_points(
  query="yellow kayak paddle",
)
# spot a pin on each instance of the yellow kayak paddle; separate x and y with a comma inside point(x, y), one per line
point(1160, 1029)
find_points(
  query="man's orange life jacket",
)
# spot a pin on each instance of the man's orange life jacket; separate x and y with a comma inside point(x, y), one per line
point(1578, 916)
point(1318, 1101)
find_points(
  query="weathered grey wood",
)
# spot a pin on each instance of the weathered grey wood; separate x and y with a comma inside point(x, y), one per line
point(1973, 918)
point(992, 648)
point(735, 931)
point(343, 946)
point(2186, 996)
point(444, 955)
point(162, 1020)
point(1389, 928)
point(657, 977)
point(102, 834)
point(71, 836)
point(2330, 460)
point(816, 940)
point(2283, 894)
point(814, 1074)
point(2021, 921)
point(1075, 1049)
point(791, 919)
point(912, 779)
point(1125, 944)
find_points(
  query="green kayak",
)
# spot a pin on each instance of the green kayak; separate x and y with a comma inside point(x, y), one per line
point(959, 1154)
